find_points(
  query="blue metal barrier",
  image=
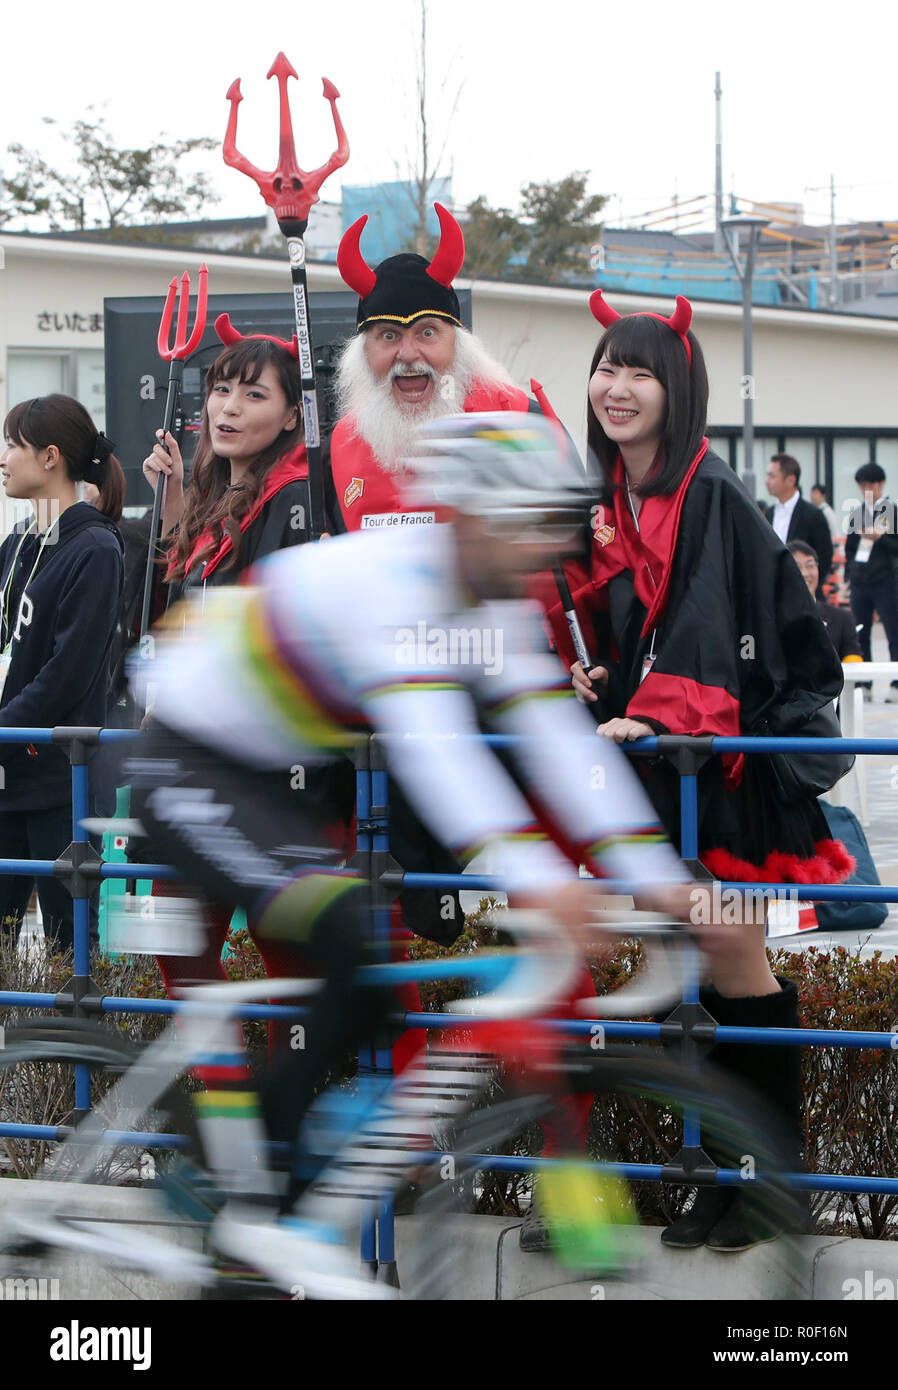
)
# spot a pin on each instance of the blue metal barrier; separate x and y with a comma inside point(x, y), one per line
point(82, 871)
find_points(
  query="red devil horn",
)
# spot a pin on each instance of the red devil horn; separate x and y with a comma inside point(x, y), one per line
point(351, 263)
point(602, 311)
point(681, 317)
point(450, 253)
point(226, 330)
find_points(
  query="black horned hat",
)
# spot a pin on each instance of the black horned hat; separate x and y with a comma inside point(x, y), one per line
point(405, 287)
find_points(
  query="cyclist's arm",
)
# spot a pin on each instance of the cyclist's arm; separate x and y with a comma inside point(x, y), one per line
point(456, 785)
point(583, 785)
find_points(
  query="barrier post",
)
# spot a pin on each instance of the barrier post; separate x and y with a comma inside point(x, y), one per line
point(693, 1024)
point(79, 866)
point(382, 898)
point(367, 1060)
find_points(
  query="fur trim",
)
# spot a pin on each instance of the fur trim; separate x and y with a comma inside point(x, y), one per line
point(831, 864)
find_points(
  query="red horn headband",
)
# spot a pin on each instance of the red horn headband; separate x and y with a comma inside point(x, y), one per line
point(450, 253)
point(229, 336)
point(679, 320)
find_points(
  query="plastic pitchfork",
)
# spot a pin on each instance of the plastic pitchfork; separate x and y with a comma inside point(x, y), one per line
point(175, 356)
point(288, 189)
point(291, 191)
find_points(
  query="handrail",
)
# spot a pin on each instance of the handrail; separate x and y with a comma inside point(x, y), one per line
point(79, 1000)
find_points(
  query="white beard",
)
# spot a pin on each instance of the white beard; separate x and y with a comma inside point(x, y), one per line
point(388, 427)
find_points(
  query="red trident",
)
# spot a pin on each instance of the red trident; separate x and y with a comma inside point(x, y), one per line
point(175, 357)
point(291, 191)
point(183, 347)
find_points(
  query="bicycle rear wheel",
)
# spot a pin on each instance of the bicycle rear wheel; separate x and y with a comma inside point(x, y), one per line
point(603, 1234)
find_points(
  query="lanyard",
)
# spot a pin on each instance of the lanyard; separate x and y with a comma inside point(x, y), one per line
point(4, 598)
point(648, 660)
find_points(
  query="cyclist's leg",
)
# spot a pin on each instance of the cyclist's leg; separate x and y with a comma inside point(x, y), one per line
point(207, 965)
point(237, 835)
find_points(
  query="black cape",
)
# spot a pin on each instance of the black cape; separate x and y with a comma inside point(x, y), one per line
point(739, 649)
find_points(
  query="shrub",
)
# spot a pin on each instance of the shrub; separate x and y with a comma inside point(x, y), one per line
point(851, 1097)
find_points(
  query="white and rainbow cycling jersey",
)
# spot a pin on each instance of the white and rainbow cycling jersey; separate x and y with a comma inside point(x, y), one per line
point(376, 632)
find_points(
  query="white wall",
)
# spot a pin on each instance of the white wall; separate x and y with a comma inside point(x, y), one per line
point(816, 370)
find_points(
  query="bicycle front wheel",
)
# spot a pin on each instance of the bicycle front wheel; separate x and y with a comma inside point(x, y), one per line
point(591, 1209)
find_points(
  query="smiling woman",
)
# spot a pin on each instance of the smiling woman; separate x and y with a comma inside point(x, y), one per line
point(703, 626)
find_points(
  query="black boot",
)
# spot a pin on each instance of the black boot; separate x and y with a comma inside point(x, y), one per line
point(731, 1219)
point(774, 1072)
point(692, 1229)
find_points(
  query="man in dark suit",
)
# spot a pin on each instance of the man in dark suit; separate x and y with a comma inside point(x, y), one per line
point(871, 562)
point(839, 622)
point(794, 519)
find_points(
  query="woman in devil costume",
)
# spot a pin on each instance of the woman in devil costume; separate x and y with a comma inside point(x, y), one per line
point(703, 625)
point(247, 494)
point(247, 498)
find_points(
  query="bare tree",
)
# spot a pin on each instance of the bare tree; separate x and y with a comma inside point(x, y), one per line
point(423, 165)
point(109, 187)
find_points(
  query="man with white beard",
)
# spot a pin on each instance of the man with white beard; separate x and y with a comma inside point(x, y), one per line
point(410, 362)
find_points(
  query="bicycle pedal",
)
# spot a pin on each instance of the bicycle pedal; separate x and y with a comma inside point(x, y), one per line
point(236, 1281)
point(25, 1247)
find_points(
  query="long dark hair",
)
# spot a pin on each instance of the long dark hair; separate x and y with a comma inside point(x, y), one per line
point(210, 503)
point(63, 421)
point(638, 340)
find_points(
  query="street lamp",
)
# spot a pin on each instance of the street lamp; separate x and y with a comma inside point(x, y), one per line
point(730, 227)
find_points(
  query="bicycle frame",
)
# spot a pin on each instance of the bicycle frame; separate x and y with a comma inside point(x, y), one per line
point(206, 1031)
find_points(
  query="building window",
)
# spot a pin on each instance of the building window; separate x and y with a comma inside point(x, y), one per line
point(79, 373)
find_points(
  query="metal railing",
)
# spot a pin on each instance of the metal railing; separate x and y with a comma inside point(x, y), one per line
point(82, 869)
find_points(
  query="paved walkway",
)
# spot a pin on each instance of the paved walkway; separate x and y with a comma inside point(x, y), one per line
point(880, 721)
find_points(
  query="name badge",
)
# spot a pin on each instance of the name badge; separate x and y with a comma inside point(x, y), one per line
point(862, 554)
point(375, 521)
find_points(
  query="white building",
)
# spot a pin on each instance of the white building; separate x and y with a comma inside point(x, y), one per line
point(824, 383)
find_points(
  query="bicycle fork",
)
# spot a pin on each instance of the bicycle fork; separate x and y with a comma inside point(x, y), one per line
point(369, 1165)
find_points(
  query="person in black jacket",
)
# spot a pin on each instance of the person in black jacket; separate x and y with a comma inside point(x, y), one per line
point(839, 622)
point(871, 561)
point(794, 519)
point(60, 586)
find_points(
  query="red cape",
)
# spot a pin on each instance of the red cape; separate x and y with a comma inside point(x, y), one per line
point(293, 467)
point(365, 488)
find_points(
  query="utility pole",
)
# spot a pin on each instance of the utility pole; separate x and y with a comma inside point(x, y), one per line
point(718, 169)
point(731, 227)
point(833, 253)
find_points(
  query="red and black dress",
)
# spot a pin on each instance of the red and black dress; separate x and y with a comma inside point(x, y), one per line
point(706, 627)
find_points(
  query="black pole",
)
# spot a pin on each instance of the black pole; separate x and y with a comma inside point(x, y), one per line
point(296, 251)
point(175, 377)
point(595, 707)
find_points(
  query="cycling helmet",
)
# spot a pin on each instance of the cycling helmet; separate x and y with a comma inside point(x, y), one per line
point(515, 471)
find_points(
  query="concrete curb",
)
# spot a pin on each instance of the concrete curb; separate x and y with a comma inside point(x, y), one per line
point(486, 1258)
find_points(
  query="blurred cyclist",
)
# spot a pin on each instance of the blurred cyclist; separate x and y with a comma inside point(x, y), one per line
point(420, 634)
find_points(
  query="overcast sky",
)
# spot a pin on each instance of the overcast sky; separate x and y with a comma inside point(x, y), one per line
point(625, 91)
